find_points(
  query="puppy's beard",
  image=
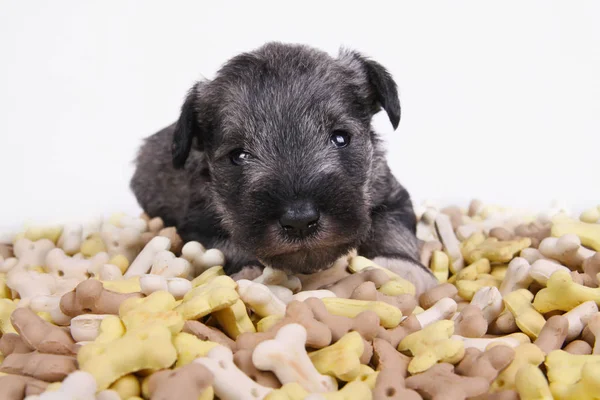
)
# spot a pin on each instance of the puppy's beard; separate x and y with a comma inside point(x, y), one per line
point(307, 261)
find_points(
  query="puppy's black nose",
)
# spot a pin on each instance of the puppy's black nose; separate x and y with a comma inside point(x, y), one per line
point(300, 218)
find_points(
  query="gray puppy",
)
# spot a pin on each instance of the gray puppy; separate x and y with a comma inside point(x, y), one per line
point(275, 163)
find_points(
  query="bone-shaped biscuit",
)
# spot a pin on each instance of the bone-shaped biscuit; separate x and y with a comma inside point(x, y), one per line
point(286, 356)
point(229, 381)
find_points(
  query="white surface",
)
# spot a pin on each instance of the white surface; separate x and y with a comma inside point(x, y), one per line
point(499, 100)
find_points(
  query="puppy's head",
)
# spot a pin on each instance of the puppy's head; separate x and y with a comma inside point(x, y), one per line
point(286, 132)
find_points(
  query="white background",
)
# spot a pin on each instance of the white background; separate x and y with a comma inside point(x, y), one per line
point(500, 100)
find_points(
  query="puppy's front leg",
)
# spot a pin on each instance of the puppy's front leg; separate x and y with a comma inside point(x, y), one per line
point(392, 243)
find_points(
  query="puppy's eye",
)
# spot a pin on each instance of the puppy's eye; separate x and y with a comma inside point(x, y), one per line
point(340, 139)
point(239, 156)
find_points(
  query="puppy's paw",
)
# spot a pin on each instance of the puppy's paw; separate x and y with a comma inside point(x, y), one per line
point(417, 274)
point(249, 272)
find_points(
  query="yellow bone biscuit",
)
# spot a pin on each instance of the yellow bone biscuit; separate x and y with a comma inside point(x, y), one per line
point(143, 348)
point(587, 388)
point(527, 353)
point(127, 386)
point(467, 289)
point(389, 315)
point(111, 328)
point(341, 359)
point(216, 295)
point(154, 309)
point(431, 345)
point(234, 319)
point(497, 251)
point(470, 273)
point(260, 298)
point(208, 275)
point(439, 265)
point(561, 293)
point(359, 263)
point(189, 347)
point(565, 369)
point(527, 318)
point(130, 285)
point(589, 234)
point(6, 308)
point(531, 384)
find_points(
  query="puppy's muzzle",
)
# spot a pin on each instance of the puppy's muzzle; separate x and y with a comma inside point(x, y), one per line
point(300, 219)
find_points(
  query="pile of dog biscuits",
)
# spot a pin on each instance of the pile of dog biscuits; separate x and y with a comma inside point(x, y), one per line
point(123, 309)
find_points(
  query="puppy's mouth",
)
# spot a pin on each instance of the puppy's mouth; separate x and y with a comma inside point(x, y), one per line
point(307, 254)
point(307, 261)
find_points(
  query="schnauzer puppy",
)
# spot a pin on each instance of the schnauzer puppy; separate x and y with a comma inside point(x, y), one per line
point(275, 163)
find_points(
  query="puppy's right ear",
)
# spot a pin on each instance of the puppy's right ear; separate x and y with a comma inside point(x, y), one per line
point(186, 130)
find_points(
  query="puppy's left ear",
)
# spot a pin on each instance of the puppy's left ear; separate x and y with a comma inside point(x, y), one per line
point(186, 130)
point(381, 85)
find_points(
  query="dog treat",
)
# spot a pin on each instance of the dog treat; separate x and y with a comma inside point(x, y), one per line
point(531, 383)
point(512, 340)
point(286, 356)
point(489, 300)
point(366, 322)
point(319, 334)
point(201, 258)
point(142, 348)
point(440, 265)
point(17, 387)
point(204, 332)
point(389, 385)
point(441, 380)
point(486, 364)
point(566, 370)
point(346, 286)
point(67, 310)
point(185, 383)
point(589, 234)
point(126, 387)
point(526, 317)
point(389, 316)
point(367, 291)
point(260, 298)
point(432, 344)
point(526, 353)
point(561, 293)
point(591, 267)
point(243, 359)
point(451, 245)
point(470, 322)
point(553, 334)
point(341, 359)
point(439, 292)
point(45, 367)
point(166, 264)
point(566, 249)
point(215, 295)
point(404, 286)
point(90, 297)
point(41, 335)
point(517, 276)
point(189, 347)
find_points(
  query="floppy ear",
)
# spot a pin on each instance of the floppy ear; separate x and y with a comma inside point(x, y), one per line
point(186, 130)
point(382, 85)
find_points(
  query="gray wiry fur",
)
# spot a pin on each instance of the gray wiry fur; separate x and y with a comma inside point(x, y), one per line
point(281, 103)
